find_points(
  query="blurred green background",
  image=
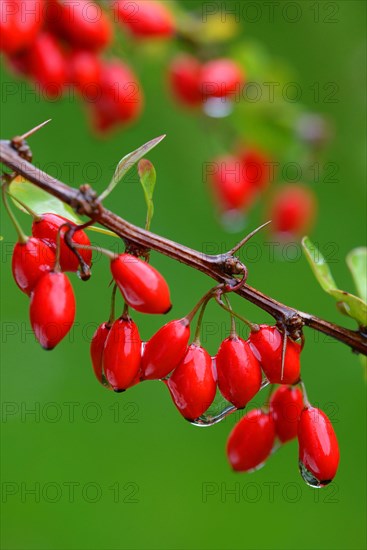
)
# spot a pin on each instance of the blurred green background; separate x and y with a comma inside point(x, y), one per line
point(125, 471)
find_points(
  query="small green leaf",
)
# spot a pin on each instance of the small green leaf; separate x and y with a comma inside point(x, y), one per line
point(102, 230)
point(351, 305)
point(318, 265)
point(127, 162)
point(357, 263)
point(347, 303)
point(39, 201)
point(148, 178)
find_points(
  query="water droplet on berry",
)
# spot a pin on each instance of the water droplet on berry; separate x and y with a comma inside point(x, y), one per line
point(206, 420)
point(310, 479)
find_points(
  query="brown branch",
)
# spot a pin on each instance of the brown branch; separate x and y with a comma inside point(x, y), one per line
point(221, 267)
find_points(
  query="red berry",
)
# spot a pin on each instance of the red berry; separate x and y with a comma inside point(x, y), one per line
point(47, 229)
point(165, 350)
point(257, 168)
point(221, 78)
point(121, 354)
point(251, 441)
point(267, 344)
point(52, 310)
point(293, 210)
point(145, 19)
point(286, 405)
point(192, 384)
point(47, 64)
point(233, 191)
point(96, 349)
point(142, 286)
point(184, 75)
point(239, 372)
point(20, 22)
point(30, 261)
point(85, 70)
point(318, 448)
point(83, 24)
point(119, 99)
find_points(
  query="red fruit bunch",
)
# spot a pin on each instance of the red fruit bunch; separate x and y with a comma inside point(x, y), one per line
point(38, 270)
point(254, 437)
point(59, 43)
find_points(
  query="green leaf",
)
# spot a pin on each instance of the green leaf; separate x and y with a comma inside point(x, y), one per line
point(39, 201)
point(127, 162)
point(318, 265)
point(148, 178)
point(348, 304)
point(42, 202)
point(357, 263)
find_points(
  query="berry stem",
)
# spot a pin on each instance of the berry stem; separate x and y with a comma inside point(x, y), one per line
point(305, 396)
point(111, 318)
point(194, 311)
point(22, 237)
point(233, 333)
point(200, 321)
point(252, 326)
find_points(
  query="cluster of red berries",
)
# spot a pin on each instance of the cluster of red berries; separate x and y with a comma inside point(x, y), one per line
point(238, 180)
point(39, 264)
point(120, 359)
point(57, 43)
point(253, 439)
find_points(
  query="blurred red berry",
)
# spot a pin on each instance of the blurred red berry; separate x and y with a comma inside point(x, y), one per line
point(81, 23)
point(221, 78)
point(20, 22)
point(145, 19)
point(47, 64)
point(293, 210)
point(85, 70)
point(257, 168)
point(232, 190)
point(184, 79)
point(119, 99)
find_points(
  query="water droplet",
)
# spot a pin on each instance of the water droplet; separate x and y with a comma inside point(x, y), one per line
point(218, 107)
point(233, 221)
point(310, 479)
point(206, 420)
